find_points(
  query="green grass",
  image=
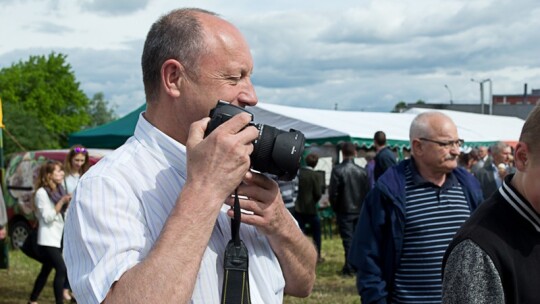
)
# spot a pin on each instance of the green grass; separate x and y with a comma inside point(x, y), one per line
point(330, 288)
point(16, 283)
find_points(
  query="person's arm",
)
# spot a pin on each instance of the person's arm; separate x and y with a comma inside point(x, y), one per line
point(114, 247)
point(471, 277)
point(333, 189)
point(218, 162)
point(46, 208)
point(295, 252)
point(366, 253)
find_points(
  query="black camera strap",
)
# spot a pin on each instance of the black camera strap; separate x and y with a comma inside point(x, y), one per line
point(235, 265)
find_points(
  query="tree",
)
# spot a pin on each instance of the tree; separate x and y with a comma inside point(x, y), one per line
point(400, 107)
point(99, 111)
point(43, 103)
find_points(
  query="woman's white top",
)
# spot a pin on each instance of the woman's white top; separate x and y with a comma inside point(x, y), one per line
point(51, 223)
point(70, 182)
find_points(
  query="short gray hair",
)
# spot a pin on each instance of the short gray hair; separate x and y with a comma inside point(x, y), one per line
point(498, 147)
point(421, 124)
point(178, 35)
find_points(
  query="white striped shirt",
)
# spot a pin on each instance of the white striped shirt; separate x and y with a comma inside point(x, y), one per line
point(117, 213)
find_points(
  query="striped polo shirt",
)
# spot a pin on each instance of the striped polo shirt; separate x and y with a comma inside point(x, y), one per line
point(433, 215)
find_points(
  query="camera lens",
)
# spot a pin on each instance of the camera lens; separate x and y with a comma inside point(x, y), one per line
point(277, 152)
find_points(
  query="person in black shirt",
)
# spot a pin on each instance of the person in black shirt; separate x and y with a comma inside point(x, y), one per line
point(349, 185)
point(385, 158)
point(495, 256)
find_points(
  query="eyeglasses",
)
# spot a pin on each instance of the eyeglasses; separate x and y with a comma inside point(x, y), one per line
point(78, 150)
point(445, 144)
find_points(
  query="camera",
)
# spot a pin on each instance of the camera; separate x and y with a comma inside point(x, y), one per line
point(275, 151)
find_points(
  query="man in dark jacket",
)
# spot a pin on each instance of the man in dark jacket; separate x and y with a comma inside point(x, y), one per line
point(385, 158)
point(309, 193)
point(410, 216)
point(349, 184)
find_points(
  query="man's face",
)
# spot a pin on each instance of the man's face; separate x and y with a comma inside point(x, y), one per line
point(503, 156)
point(482, 152)
point(224, 71)
point(440, 158)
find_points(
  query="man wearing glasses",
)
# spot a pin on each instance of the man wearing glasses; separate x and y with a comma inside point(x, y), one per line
point(410, 216)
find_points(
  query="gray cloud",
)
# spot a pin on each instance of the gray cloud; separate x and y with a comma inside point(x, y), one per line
point(116, 7)
point(352, 57)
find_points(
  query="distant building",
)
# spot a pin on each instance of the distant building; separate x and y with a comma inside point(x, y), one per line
point(532, 99)
point(516, 105)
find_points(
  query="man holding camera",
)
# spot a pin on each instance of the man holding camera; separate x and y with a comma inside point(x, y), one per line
point(147, 224)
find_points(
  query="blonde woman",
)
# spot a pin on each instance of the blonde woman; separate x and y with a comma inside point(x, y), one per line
point(75, 165)
point(51, 201)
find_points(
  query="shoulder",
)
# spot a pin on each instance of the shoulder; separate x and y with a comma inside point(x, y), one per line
point(41, 193)
point(128, 156)
point(470, 276)
point(395, 174)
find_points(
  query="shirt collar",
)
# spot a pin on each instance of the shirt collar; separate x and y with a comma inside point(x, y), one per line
point(161, 145)
point(519, 203)
point(419, 180)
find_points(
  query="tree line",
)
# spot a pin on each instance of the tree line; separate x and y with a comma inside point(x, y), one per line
point(43, 103)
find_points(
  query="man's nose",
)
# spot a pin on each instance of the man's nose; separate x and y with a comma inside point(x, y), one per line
point(247, 96)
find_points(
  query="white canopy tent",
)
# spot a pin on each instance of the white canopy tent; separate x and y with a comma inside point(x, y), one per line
point(328, 126)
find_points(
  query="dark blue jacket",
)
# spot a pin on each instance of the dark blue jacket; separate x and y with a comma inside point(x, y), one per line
point(377, 243)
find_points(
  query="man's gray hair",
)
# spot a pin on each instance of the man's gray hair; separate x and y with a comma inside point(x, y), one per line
point(421, 127)
point(177, 35)
point(498, 147)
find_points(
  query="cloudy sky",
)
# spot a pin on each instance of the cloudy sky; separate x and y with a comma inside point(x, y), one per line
point(361, 55)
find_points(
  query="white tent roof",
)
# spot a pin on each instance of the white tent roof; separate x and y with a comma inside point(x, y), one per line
point(320, 126)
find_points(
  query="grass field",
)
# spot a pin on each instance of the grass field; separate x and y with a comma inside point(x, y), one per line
point(330, 288)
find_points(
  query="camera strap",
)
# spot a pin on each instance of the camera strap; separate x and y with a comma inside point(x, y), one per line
point(235, 265)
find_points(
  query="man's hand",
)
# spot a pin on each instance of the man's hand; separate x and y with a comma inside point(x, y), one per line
point(295, 252)
point(221, 160)
point(265, 201)
point(3, 233)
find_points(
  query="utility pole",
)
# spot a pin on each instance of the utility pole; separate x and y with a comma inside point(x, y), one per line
point(482, 93)
point(450, 93)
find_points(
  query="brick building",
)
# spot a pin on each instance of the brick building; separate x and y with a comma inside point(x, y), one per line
point(529, 99)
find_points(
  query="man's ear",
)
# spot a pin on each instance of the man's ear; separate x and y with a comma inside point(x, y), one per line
point(416, 145)
point(172, 75)
point(521, 156)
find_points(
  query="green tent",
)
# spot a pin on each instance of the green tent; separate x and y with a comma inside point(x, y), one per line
point(108, 136)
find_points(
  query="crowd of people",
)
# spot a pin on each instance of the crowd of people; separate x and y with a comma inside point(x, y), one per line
point(445, 225)
point(472, 214)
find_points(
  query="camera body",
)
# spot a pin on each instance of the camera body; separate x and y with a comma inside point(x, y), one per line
point(275, 151)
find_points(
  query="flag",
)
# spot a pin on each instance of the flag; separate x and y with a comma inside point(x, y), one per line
point(1, 115)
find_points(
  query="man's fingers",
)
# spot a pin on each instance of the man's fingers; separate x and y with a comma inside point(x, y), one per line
point(196, 131)
point(236, 123)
